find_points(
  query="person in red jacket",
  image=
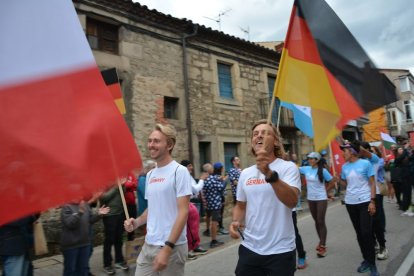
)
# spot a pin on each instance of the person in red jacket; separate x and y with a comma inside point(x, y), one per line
point(130, 199)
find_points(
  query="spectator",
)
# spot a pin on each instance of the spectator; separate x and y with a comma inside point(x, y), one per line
point(209, 169)
point(75, 243)
point(142, 202)
point(213, 191)
point(14, 246)
point(113, 230)
point(234, 174)
point(402, 163)
point(193, 221)
point(130, 199)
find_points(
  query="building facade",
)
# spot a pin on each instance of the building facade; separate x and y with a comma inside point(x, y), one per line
point(400, 114)
point(209, 85)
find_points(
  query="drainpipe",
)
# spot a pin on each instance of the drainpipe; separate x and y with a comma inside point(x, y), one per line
point(187, 92)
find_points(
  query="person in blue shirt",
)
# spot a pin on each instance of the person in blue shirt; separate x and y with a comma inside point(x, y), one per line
point(319, 181)
point(142, 202)
point(359, 177)
point(379, 217)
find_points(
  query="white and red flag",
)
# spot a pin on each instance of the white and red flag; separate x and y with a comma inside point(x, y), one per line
point(337, 157)
point(61, 135)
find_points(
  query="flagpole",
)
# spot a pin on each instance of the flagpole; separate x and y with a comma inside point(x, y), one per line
point(115, 167)
point(121, 192)
point(278, 117)
point(333, 165)
point(276, 86)
point(331, 158)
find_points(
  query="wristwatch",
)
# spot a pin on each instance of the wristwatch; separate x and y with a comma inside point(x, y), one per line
point(274, 177)
point(170, 244)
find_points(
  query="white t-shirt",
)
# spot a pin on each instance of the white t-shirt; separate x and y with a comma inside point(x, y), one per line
point(163, 186)
point(315, 189)
point(357, 176)
point(269, 225)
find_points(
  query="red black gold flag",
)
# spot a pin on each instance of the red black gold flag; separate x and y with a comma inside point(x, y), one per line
point(325, 68)
point(112, 82)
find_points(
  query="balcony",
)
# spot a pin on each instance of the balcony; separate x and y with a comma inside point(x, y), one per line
point(286, 116)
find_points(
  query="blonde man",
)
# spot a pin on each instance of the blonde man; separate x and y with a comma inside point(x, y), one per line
point(168, 190)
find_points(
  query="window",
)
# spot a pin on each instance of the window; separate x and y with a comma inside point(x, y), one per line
point(204, 151)
point(225, 81)
point(102, 36)
point(170, 108)
point(230, 150)
point(407, 109)
point(404, 84)
point(392, 117)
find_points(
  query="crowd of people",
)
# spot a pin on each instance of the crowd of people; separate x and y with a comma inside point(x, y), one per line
point(166, 203)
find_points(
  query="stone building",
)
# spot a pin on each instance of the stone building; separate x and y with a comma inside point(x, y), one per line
point(209, 85)
point(400, 114)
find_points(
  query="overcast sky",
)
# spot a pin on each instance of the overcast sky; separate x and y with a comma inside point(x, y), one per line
point(384, 28)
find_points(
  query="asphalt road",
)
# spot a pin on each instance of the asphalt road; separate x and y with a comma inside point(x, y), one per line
point(342, 259)
point(343, 255)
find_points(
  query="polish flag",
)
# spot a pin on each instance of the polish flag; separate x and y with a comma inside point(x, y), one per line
point(61, 135)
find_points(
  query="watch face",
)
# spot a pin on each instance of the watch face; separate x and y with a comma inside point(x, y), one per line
point(273, 178)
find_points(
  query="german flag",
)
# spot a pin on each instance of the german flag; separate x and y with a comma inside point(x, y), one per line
point(112, 82)
point(324, 67)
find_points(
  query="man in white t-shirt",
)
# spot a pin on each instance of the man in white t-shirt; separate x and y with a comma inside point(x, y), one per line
point(266, 194)
point(168, 190)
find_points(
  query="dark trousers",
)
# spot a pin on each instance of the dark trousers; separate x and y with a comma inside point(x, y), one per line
point(362, 222)
point(253, 264)
point(75, 261)
point(397, 190)
point(113, 229)
point(298, 238)
point(223, 201)
point(406, 194)
point(378, 222)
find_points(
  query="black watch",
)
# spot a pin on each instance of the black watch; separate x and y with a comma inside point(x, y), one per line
point(274, 177)
point(170, 244)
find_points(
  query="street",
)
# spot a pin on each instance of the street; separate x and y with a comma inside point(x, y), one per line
point(342, 259)
point(343, 252)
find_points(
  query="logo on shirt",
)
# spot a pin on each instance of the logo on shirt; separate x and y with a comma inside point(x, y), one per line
point(156, 180)
point(255, 181)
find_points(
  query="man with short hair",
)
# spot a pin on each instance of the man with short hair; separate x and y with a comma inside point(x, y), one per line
point(266, 194)
point(234, 174)
point(213, 191)
point(168, 190)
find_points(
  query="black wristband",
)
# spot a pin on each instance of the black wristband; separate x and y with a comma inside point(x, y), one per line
point(373, 199)
point(273, 178)
point(170, 244)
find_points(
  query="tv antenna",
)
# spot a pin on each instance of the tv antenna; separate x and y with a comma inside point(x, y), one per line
point(246, 31)
point(218, 18)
